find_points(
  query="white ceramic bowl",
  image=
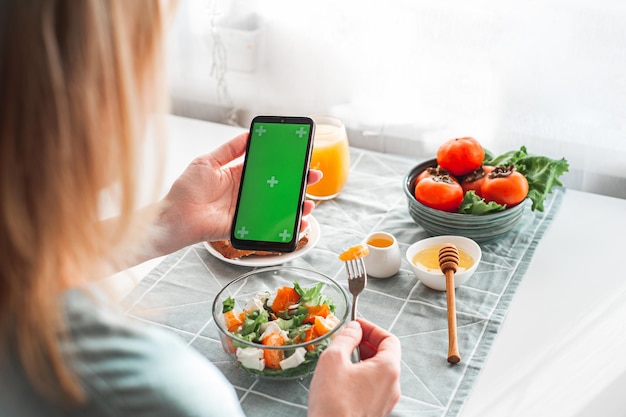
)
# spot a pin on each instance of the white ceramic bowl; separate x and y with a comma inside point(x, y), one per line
point(437, 281)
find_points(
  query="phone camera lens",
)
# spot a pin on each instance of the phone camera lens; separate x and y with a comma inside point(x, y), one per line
point(282, 120)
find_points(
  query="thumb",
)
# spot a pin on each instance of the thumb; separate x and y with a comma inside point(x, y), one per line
point(348, 338)
point(314, 176)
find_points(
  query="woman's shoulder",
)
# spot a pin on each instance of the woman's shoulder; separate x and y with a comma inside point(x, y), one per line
point(139, 368)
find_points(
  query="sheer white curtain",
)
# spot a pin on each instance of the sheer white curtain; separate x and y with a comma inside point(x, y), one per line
point(406, 75)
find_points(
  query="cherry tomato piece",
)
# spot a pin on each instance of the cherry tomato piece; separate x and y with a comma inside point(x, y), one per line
point(505, 186)
point(460, 156)
point(474, 180)
point(440, 192)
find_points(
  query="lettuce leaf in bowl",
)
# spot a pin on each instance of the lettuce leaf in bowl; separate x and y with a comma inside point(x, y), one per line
point(542, 173)
point(473, 204)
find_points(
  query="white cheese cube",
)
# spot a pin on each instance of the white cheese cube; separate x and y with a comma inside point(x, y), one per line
point(251, 358)
point(332, 321)
point(271, 328)
point(255, 303)
point(294, 360)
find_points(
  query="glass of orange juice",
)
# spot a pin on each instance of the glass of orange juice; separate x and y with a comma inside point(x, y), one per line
point(331, 155)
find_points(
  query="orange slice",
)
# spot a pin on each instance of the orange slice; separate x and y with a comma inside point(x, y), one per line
point(273, 357)
point(322, 310)
point(324, 325)
point(310, 335)
point(285, 297)
point(355, 252)
point(233, 320)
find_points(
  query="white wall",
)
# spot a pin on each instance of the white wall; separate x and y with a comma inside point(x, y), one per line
point(406, 75)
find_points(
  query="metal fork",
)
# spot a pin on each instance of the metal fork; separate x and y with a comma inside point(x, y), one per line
point(357, 280)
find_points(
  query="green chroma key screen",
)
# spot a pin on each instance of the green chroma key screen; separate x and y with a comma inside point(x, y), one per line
point(270, 195)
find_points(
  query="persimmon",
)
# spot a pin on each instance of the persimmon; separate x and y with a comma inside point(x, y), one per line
point(474, 180)
point(273, 356)
point(355, 252)
point(442, 192)
point(321, 310)
point(505, 186)
point(460, 156)
point(309, 335)
point(431, 172)
point(233, 320)
point(324, 325)
point(285, 297)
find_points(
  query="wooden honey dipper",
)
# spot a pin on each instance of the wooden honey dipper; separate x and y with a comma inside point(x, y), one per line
point(448, 262)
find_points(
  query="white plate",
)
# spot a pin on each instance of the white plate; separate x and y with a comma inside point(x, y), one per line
point(254, 261)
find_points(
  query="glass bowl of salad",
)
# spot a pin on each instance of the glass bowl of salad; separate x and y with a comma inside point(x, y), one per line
point(275, 322)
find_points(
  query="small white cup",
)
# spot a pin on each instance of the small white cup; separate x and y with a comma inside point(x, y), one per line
point(384, 258)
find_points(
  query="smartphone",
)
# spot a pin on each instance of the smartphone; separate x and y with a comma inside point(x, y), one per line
point(273, 184)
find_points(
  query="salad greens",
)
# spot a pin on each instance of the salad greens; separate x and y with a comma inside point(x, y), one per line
point(299, 320)
point(313, 296)
point(474, 204)
point(542, 173)
point(250, 330)
point(228, 305)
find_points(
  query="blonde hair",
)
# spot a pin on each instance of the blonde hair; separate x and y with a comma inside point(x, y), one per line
point(78, 80)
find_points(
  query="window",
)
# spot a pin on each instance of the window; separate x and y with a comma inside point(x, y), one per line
point(407, 75)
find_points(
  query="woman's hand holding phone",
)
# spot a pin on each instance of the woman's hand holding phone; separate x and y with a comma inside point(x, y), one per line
point(200, 205)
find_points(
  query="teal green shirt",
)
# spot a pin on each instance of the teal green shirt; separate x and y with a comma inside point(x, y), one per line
point(126, 369)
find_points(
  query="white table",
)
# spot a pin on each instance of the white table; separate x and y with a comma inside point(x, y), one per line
point(559, 350)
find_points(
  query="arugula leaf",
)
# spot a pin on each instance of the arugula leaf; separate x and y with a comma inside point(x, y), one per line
point(284, 324)
point(313, 296)
point(253, 322)
point(228, 304)
point(250, 337)
point(308, 295)
point(473, 204)
point(298, 319)
point(298, 311)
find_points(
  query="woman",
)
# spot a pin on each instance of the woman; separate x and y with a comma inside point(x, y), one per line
point(78, 81)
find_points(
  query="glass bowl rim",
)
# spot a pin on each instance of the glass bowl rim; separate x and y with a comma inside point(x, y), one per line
point(342, 320)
